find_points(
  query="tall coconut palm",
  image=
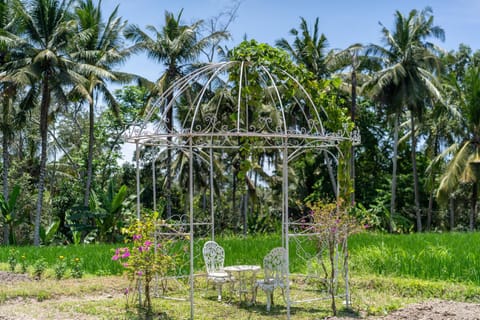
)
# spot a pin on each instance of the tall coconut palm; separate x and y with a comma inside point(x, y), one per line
point(308, 48)
point(348, 64)
point(8, 90)
point(464, 165)
point(176, 46)
point(100, 48)
point(47, 28)
point(407, 79)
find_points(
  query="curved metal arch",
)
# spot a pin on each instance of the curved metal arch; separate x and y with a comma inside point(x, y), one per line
point(313, 126)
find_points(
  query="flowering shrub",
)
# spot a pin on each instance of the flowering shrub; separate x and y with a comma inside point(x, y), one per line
point(39, 268)
point(77, 268)
point(60, 267)
point(143, 259)
point(332, 224)
point(12, 259)
point(23, 264)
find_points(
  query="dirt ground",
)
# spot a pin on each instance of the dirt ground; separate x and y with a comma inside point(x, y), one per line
point(23, 309)
point(430, 310)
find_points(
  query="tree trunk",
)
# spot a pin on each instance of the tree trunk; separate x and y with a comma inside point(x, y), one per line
point(234, 195)
point(6, 159)
point(91, 142)
point(43, 157)
point(6, 164)
point(333, 275)
point(473, 208)
point(451, 207)
point(394, 171)
point(331, 174)
point(245, 213)
point(415, 174)
point(429, 211)
point(353, 112)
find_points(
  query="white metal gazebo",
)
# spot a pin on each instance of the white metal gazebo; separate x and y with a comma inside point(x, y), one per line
point(225, 106)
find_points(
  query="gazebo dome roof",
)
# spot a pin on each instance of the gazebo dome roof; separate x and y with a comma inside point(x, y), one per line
point(220, 103)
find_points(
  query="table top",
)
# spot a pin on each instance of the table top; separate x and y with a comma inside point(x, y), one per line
point(242, 267)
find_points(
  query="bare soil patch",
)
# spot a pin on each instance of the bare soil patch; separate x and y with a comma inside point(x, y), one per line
point(437, 309)
point(10, 277)
point(29, 308)
point(430, 310)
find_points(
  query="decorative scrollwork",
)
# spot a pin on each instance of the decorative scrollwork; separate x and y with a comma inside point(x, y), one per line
point(210, 121)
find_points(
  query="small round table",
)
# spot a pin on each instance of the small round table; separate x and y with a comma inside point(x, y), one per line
point(246, 275)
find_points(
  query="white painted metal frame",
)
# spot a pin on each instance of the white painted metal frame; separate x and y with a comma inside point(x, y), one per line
point(206, 127)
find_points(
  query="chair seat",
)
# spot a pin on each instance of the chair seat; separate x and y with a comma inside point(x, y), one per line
point(219, 276)
point(269, 284)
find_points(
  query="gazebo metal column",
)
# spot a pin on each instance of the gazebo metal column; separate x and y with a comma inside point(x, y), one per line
point(212, 207)
point(190, 192)
point(285, 220)
point(137, 163)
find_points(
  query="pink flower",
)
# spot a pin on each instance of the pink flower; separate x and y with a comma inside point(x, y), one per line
point(125, 265)
point(139, 273)
point(115, 257)
point(137, 237)
point(126, 254)
point(126, 291)
point(148, 243)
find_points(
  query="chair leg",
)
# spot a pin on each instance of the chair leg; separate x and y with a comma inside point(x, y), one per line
point(269, 300)
point(219, 287)
point(207, 283)
point(284, 297)
point(254, 295)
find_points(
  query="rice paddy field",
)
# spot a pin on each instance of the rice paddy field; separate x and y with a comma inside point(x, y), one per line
point(428, 256)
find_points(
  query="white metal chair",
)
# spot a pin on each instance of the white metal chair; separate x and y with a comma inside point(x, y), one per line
point(275, 270)
point(214, 257)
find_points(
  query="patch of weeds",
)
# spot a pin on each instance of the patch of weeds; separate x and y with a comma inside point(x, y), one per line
point(39, 268)
point(102, 273)
point(77, 268)
point(23, 264)
point(12, 259)
point(60, 268)
point(42, 295)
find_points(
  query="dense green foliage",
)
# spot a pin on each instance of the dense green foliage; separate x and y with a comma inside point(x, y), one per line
point(63, 181)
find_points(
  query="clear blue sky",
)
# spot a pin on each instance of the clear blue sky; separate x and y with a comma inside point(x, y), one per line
point(343, 22)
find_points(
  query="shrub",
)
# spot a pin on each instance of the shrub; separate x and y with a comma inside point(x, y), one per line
point(145, 259)
point(39, 268)
point(12, 259)
point(60, 268)
point(77, 268)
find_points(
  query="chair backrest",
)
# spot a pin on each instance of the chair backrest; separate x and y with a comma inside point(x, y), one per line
point(275, 266)
point(214, 256)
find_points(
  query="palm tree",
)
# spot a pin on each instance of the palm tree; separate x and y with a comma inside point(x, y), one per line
point(8, 90)
point(465, 155)
point(176, 46)
point(407, 79)
point(101, 49)
point(45, 64)
point(347, 64)
point(308, 48)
